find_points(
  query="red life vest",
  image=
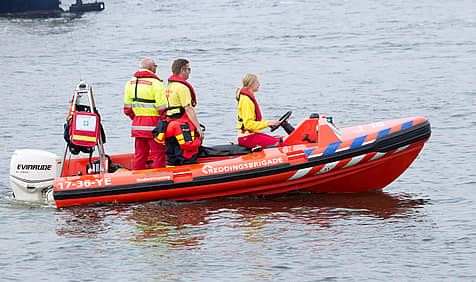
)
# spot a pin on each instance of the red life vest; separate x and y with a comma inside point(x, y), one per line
point(144, 74)
point(176, 78)
point(180, 138)
point(182, 129)
point(247, 93)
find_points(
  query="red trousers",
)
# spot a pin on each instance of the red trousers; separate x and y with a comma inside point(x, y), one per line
point(142, 148)
point(261, 139)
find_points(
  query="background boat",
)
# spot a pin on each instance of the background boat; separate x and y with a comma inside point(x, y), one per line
point(30, 6)
point(45, 7)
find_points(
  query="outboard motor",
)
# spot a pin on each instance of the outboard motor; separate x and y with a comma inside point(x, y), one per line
point(32, 173)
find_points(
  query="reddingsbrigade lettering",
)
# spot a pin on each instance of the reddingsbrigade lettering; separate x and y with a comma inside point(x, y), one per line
point(237, 167)
point(34, 167)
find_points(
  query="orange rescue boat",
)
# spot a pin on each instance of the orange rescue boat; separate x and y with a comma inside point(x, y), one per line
point(320, 158)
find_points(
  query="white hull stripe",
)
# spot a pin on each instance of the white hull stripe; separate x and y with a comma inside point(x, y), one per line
point(334, 148)
point(328, 167)
point(377, 156)
point(300, 173)
point(354, 161)
point(401, 149)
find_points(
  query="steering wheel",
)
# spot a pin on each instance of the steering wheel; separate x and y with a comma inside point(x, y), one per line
point(282, 120)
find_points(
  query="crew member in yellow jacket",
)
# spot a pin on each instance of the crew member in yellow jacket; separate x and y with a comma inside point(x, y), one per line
point(250, 121)
point(144, 103)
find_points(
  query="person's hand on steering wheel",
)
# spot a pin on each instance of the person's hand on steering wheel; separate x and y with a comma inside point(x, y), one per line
point(281, 121)
point(273, 123)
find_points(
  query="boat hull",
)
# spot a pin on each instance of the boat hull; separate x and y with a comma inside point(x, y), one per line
point(30, 7)
point(364, 158)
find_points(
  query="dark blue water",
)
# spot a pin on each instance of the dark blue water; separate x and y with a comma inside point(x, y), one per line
point(358, 61)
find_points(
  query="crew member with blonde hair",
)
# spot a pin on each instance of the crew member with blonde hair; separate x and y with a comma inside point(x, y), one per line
point(250, 121)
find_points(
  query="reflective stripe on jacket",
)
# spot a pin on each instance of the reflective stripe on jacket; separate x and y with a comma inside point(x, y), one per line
point(144, 101)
